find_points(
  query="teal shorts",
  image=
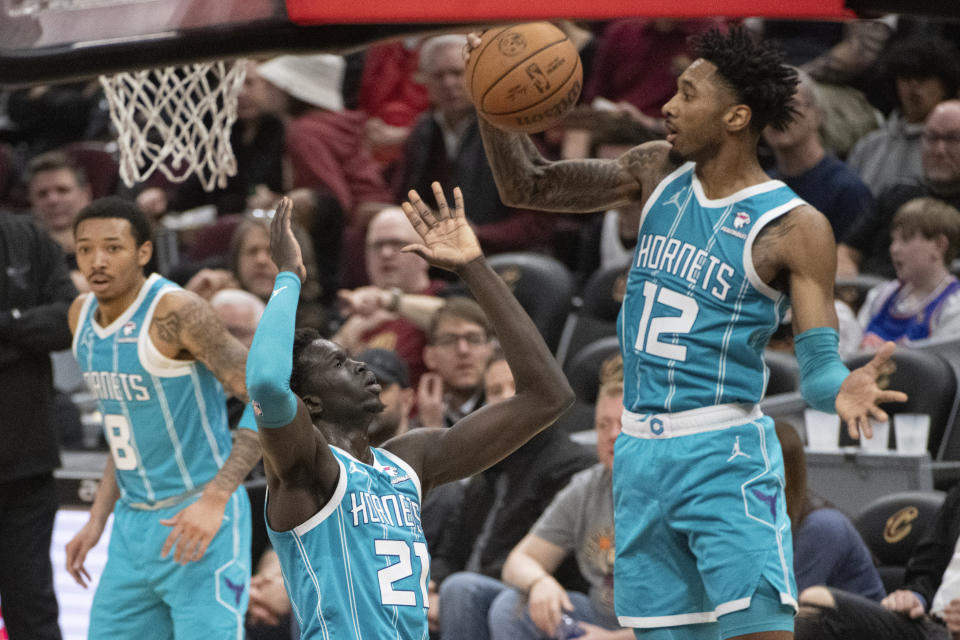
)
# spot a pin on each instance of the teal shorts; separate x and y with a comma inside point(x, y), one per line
point(701, 525)
point(143, 596)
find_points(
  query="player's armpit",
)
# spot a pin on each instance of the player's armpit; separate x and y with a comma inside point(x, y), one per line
point(186, 327)
point(302, 473)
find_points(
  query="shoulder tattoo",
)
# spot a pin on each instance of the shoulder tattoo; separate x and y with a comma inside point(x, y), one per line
point(168, 327)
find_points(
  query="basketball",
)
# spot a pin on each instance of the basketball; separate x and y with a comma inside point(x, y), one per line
point(524, 77)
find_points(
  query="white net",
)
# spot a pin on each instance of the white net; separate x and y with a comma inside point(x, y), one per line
point(177, 120)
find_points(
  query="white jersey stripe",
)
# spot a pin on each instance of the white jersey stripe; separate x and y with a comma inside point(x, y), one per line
point(305, 559)
point(722, 372)
point(348, 570)
point(141, 470)
point(172, 433)
point(204, 420)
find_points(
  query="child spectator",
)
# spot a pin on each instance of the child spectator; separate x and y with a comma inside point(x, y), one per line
point(924, 300)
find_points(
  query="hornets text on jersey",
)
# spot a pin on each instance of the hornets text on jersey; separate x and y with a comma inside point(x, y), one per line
point(696, 316)
point(165, 420)
point(359, 568)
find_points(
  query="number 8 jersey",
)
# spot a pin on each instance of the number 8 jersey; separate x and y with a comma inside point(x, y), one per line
point(696, 316)
point(361, 562)
point(165, 420)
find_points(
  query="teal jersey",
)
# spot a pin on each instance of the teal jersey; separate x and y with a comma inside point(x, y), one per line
point(359, 568)
point(696, 316)
point(165, 420)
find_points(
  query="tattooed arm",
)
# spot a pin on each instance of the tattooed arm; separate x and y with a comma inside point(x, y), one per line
point(525, 179)
point(186, 327)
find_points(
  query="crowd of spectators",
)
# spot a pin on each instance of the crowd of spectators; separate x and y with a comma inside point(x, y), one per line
point(875, 146)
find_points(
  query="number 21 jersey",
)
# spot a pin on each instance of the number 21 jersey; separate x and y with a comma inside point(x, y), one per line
point(696, 316)
point(359, 568)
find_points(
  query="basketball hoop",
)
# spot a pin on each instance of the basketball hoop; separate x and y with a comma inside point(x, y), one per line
point(177, 120)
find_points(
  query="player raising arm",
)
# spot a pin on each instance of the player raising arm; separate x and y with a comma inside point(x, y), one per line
point(796, 256)
point(344, 517)
point(157, 358)
point(722, 252)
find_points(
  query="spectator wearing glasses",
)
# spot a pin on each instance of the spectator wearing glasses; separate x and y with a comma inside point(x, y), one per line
point(458, 349)
point(866, 248)
point(394, 311)
point(926, 72)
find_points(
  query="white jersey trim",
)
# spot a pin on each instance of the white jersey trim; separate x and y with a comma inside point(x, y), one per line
point(658, 426)
point(748, 265)
point(152, 360)
point(663, 184)
point(698, 617)
point(743, 194)
point(400, 462)
point(328, 509)
point(103, 332)
point(81, 319)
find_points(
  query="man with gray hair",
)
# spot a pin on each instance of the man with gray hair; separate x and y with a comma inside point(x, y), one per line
point(444, 145)
point(804, 165)
point(240, 312)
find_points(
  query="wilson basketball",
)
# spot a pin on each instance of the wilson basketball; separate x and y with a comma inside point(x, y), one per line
point(524, 77)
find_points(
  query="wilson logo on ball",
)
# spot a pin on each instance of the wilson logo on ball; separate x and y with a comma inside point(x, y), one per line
point(512, 44)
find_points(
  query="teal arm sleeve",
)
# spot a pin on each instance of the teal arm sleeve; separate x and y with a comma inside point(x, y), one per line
point(247, 421)
point(270, 361)
point(821, 370)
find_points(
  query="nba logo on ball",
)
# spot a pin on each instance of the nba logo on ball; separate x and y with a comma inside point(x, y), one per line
point(524, 77)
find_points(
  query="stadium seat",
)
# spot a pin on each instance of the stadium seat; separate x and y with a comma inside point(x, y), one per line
point(853, 290)
point(891, 526)
point(542, 285)
point(930, 383)
point(213, 240)
point(784, 372)
point(949, 350)
point(9, 197)
point(583, 373)
point(99, 162)
point(596, 315)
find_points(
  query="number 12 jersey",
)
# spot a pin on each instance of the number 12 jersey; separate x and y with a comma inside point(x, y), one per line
point(696, 316)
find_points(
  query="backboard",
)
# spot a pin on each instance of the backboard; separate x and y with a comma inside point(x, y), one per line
point(50, 40)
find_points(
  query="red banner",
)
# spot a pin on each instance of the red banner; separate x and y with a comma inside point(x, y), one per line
point(311, 12)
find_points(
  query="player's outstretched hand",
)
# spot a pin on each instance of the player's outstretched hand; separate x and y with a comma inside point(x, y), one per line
point(860, 396)
point(77, 549)
point(193, 529)
point(284, 248)
point(448, 240)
